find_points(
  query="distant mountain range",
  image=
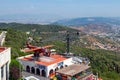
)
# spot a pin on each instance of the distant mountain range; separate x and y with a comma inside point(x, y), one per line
point(55, 19)
point(88, 20)
point(30, 18)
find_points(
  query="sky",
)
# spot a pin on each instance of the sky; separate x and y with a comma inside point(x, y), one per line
point(60, 8)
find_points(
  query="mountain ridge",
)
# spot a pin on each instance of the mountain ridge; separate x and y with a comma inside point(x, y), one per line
point(88, 20)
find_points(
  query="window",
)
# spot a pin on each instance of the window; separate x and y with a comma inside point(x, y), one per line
point(27, 68)
point(56, 68)
point(37, 71)
point(2, 71)
point(61, 67)
point(51, 71)
point(33, 70)
point(43, 73)
point(66, 65)
point(7, 71)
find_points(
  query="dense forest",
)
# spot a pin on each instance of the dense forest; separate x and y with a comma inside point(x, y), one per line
point(15, 39)
point(105, 63)
point(37, 28)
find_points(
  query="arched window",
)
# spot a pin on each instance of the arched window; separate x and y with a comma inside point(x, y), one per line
point(61, 67)
point(37, 71)
point(51, 71)
point(27, 68)
point(56, 68)
point(43, 73)
point(33, 70)
point(66, 65)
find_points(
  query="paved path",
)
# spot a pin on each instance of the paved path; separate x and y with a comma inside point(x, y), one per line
point(2, 37)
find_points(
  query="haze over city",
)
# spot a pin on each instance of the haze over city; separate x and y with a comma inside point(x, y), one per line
point(59, 39)
point(52, 10)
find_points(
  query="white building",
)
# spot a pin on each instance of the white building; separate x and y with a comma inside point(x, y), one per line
point(44, 66)
point(4, 63)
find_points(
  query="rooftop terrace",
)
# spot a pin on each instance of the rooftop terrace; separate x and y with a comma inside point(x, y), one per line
point(73, 69)
point(44, 60)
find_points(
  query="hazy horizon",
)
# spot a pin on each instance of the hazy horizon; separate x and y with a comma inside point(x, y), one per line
point(52, 10)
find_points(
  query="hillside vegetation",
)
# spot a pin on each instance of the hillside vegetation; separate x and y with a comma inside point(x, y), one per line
point(35, 27)
point(105, 63)
point(15, 39)
point(88, 20)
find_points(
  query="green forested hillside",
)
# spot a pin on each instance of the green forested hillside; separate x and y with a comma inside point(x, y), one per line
point(15, 39)
point(35, 27)
point(38, 30)
point(88, 20)
point(105, 63)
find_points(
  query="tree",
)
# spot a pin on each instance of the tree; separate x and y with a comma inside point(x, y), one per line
point(15, 71)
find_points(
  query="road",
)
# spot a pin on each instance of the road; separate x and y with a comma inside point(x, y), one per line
point(2, 37)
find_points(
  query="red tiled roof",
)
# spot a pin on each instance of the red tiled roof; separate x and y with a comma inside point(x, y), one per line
point(2, 49)
point(57, 58)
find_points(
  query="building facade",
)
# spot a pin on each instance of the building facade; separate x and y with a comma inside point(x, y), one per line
point(4, 63)
point(45, 66)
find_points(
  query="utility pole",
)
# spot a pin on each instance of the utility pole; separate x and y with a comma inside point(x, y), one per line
point(68, 42)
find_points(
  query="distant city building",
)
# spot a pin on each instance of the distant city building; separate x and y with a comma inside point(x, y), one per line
point(4, 63)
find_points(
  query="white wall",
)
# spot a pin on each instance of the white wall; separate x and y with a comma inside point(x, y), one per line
point(25, 63)
point(5, 57)
point(30, 64)
point(48, 68)
point(54, 66)
point(0, 73)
